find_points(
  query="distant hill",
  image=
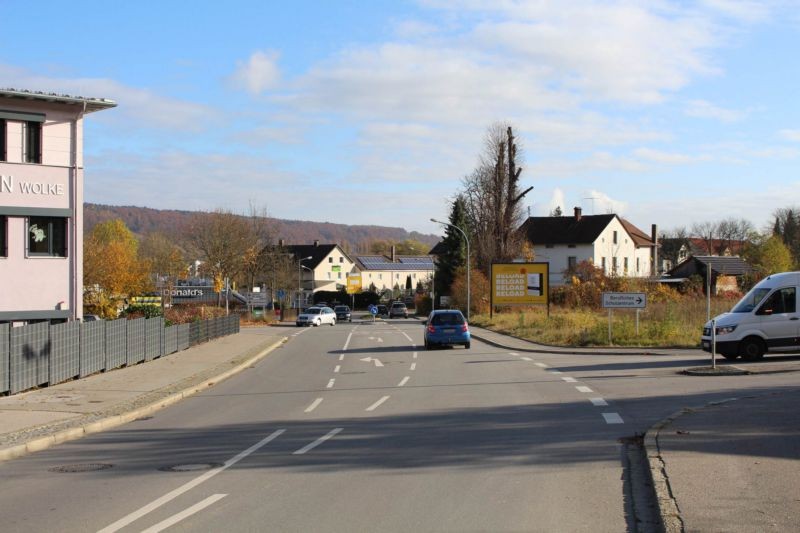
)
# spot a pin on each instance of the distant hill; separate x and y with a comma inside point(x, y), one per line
point(144, 220)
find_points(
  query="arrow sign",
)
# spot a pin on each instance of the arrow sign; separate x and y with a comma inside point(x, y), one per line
point(370, 359)
point(624, 300)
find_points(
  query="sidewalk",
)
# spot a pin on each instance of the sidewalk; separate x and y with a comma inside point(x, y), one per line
point(41, 418)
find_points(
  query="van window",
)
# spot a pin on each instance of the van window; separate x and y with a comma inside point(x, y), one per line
point(781, 301)
point(750, 300)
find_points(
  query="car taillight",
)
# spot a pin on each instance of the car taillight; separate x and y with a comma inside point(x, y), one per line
point(431, 329)
point(464, 328)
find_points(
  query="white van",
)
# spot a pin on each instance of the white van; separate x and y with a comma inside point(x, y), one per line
point(766, 319)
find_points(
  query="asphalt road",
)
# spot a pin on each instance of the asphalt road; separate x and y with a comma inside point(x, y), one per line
point(357, 428)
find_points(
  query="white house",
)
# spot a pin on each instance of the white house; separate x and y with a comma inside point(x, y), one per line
point(399, 270)
point(608, 241)
point(320, 267)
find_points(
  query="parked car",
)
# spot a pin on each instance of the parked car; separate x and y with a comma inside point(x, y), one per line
point(446, 327)
point(316, 316)
point(91, 318)
point(765, 319)
point(398, 309)
point(343, 313)
point(383, 310)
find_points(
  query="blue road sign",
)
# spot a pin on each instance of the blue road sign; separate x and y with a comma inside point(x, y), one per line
point(280, 293)
point(373, 309)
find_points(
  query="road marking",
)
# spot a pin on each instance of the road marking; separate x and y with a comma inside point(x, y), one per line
point(341, 357)
point(526, 359)
point(196, 508)
point(569, 379)
point(336, 370)
point(613, 418)
point(555, 371)
point(371, 360)
point(540, 365)
point(347, 342)
point(413, 366)
point(377, 404)
point(332, 433)
point(330, 383)
point(584, 389)
point(313, 405)
point(403, 381)
point(513, 353)
point(407, 337)
point(168, 497)
point(415, 355)
point(598, 402)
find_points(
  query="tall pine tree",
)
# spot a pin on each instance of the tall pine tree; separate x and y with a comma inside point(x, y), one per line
point(455, 249)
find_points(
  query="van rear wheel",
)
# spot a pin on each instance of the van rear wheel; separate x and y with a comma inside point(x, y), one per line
point(752, 348)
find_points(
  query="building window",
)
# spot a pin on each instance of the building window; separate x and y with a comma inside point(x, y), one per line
point(380, 276)
point(33, 142)
point(615, 237)
point(3, 237)
point(625, 265)
point(341, 259)
point(603, 264)
point(637, 265)
point(330, 260)
point(572, 262)
point(47, 236)
point(329, 275)
point(3, 149)
point(614, 265)
point(339, 275)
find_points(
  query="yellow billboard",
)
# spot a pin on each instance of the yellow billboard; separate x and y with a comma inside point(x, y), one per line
point(520, 283)
point(353, 283)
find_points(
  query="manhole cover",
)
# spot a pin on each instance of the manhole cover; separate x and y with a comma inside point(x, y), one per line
point(87, 467)
point(191, 467)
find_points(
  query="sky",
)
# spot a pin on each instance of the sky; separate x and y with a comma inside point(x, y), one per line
point(373, 112)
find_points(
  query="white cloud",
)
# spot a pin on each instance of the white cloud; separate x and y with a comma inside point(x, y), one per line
point(790, 135)
point(601, 203)
point(668, 158)
point(557, 200)
point(745, 10)
point(703, 109)
point(259, 73)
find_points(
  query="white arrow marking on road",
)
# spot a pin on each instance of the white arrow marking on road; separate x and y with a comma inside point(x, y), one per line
point(370, 359)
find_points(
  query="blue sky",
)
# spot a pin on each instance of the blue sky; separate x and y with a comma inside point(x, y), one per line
point(668, 113)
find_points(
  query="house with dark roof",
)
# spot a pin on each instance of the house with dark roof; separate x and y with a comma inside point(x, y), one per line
point(608, 241)
point(321, 267)
point(401, 270)
point(725, 271)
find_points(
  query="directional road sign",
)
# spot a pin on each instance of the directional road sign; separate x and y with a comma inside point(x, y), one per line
point(624, 300)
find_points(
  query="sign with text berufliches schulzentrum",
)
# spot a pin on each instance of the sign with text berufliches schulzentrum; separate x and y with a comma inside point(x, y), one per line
point(520, 284)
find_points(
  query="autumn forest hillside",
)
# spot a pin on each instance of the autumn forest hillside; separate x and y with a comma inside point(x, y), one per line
point(144, 220)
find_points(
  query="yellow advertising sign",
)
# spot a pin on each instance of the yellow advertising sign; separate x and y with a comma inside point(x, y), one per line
point(520, 283)
point(353, 283)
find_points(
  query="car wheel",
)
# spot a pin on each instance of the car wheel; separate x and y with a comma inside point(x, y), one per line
point(318, 322)
point(752, 348)
point(466, 346)
point(333, 322)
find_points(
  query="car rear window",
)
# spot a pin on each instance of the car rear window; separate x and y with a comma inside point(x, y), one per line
point(313, 311)
point(341, 308)
point(444, 319)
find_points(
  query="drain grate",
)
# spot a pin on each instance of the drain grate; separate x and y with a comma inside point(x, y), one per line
point(191, 467)
point(86, 467)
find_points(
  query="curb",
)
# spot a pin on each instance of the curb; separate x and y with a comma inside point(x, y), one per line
point(42, 443)
point(622, 350)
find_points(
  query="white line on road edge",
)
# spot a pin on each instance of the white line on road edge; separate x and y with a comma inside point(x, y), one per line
point(527, 359)
point(377, 404)
point(332, 433)
point(330, 383)
point(598, 402)
point(196, 508)
point(403, 381)
point(584, 389)
point(155, 504)
point(313, 405)
point(336, 370)
point(569, 379)
point(413, 366)
point(613, 418)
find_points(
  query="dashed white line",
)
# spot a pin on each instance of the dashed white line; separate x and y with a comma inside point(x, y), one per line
point(540, 365)
point(415, 355)
point(332, 433)
point(337, 368)
point(413, 366)
point(347, 342)
point(613, 418)
point(403, 381)
point(341, 357)
point(598, 402)
point(330, 383)
point(377, 404)
point(406, 336)
point(513, 353)
point(526, 359)
point(168, 497)
point(584, 389)
point(313, 405)
point(555, 371)
point(196, 508)
point(569, 379)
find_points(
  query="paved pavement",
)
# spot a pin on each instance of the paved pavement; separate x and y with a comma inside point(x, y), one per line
point(727, 466)
point(751, 443)
point(41, 418)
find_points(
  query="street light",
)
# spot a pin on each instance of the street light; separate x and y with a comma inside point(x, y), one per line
point(467, 241)
point(299, 282)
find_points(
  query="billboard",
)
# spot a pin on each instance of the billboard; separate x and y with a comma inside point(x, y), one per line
point(353, 283)
point(520, 283)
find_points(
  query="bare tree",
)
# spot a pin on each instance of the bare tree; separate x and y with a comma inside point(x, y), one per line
point(733, 233)
point(493, 199)
point(708, 232)
point(671, 243)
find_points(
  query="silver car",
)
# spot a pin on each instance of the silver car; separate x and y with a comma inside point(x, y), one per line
point(316, 316)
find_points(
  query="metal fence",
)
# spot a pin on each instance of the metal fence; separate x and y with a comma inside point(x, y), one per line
point(43, 354)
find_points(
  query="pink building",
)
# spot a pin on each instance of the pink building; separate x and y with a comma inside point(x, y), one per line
point(41, 204)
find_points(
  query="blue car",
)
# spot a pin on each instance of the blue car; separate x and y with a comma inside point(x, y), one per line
point(446, 327)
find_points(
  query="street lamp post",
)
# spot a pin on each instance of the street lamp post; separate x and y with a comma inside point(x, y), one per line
point(467, 241)
point(299, 280)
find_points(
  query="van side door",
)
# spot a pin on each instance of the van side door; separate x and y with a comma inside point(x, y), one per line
point(779, 319)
